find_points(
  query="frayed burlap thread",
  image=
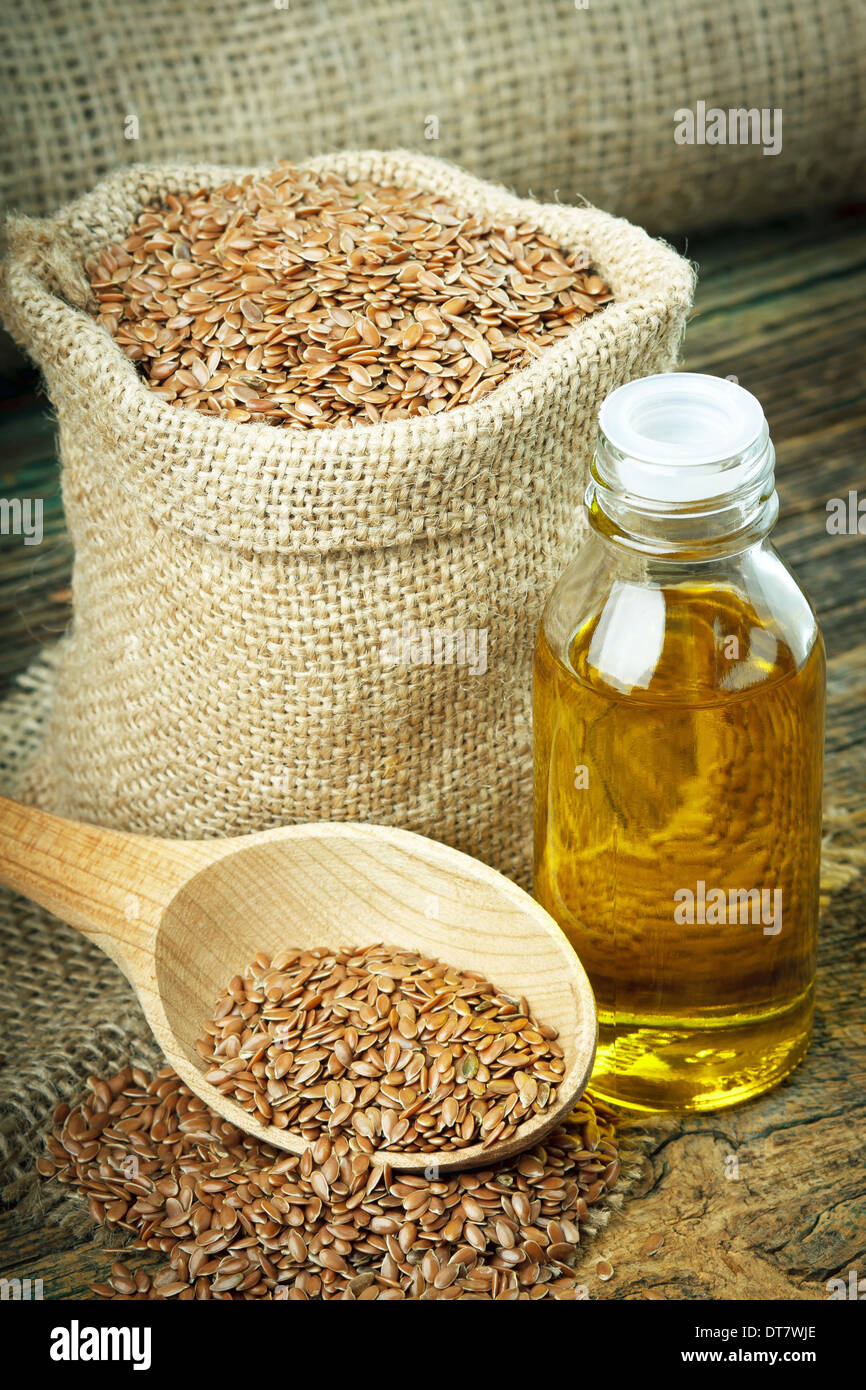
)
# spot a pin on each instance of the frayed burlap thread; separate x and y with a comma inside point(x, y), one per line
point(236, 586)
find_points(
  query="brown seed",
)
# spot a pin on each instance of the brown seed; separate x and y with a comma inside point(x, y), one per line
point(652, 1244)
point(504, 1234)
point(446, 1276)
point(475, 1236)
point(297, 1246)
point(331, 1260)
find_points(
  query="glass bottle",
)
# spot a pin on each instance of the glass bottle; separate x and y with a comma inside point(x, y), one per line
point(679, 727)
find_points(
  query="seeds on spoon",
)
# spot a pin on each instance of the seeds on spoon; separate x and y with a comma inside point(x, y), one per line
point(380, 1045)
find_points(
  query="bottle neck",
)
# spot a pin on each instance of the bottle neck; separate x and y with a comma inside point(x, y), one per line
point(737, 507)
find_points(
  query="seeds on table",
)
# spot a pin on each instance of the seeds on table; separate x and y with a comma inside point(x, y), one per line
point(391, 1049)
point(652, 1244)
point(299, 299)
point(238, 1219)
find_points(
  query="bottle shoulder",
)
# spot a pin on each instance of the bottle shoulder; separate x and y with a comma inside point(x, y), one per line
point(638, 629)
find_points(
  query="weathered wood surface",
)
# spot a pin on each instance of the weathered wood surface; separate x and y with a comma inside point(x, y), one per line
point(767, 1201)
point(34, 580)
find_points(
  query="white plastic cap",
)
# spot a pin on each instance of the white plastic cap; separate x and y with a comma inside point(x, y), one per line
point(683, 437)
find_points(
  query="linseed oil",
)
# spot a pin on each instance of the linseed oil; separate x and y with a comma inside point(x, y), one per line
point(685, 783)
point(678, 725)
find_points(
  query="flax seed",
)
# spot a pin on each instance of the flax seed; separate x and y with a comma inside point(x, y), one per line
point(371, 1097)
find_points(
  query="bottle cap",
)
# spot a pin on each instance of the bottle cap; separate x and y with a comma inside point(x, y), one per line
point(683, 437)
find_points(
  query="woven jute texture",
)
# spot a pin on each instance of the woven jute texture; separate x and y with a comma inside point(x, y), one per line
point(237, 587)
point(544, 96)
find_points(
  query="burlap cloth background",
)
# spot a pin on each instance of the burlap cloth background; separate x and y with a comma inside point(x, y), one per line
point(543, 96)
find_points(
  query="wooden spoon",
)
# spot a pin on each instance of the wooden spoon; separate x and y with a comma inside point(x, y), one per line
point(182, 917)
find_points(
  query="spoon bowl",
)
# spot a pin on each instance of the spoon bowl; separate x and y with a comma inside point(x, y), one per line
point(181, 918)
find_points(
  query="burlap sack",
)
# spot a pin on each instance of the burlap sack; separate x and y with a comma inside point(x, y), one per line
point(242, 591)
point(546, 96)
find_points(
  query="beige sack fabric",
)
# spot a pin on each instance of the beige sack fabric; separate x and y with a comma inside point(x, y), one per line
point(548, 97)
point(242, 592)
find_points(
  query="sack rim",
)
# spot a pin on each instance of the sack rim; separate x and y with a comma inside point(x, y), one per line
point(447, 453)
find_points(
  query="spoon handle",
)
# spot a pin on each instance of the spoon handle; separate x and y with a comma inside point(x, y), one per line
point(113, 887)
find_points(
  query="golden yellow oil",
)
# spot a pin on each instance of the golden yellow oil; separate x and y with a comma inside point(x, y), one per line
point(709, 773)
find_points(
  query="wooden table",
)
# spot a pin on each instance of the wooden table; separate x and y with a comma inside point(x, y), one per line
point(766, 1201)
